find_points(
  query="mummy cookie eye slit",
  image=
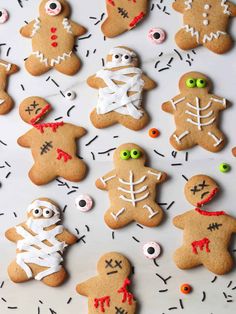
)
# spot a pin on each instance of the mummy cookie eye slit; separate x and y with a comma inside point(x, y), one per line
point(53, 8)
point(70, 95)
point(4, 16)
point(84, 203)
point(135, 153)
point(47, 213)
point(201, 83)
point(157, 35)
point(151, 250)
point(125, 154)
point(191, 83)
point(37, 212)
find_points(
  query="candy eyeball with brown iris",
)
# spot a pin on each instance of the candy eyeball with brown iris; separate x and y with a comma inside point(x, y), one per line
point(151, 250)
point(53, 7)
point(4, 16)
point(70, 95)
point(84, 202)
point(157, 35)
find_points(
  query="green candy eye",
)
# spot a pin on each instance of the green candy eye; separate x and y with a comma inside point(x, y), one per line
point(201, 83)
point(224, 167)
point(135, 153)
point(191, 83)
point(125, 154)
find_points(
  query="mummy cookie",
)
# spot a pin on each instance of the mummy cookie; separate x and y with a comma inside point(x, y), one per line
point(109, 291)
point(53, 144)
point(206, 233)
point(196, 112)
point(6, 102)
point(132, 189)
point(120, 86)
point(40, 242)
point(53, 37)
point(123, 15)
point(205, 23)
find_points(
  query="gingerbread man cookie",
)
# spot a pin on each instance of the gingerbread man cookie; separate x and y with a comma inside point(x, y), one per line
point(53, 144)
point(108, 292)
point(123, 15)
point(206, 233)
point(196, 114)
point(120, 84)
point(132, 189)
point(53, 38)
point(6, 102)
point(205, 23)
point(40, 242)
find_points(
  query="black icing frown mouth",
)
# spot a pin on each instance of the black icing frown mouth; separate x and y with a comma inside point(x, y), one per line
point(112, 272)
point(204, 194)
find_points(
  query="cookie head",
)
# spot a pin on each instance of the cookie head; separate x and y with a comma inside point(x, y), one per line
point(129, 155)
point(200, 189)
point(54, 8)
point(43, 209)
point(195, 83)
point(121, 57)
point(114, 265)
point(33, 109)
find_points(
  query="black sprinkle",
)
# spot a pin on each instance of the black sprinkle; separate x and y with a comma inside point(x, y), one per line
point(172, 308)
point(7, 164)
point(4, 300)
point(72, 191)
point(15, 214)
point(174, 153)
point(230, 283)
point(176, 164)
point(139, 226)
point(93, 155)
point(48, 79)
point(52, 311)
point(113, 235)
point(59, 118)
point(68, 112)
point(171, 204)
point(64, 209)
point(176, 51)
point(68, 302)
point(229, 301)
point(135, 239)
point(107, 151)
point(22, 86)
point(185, 178)
point(7, 176)
point(163, 279)
point(155, 262)
point(12, 307)
point(55, 82)
point(186, 156)
point(61, 92)
point(93, 139)
point(87, 227)
point(82, 239)
point(203, 296)
point(163, 69)
point(156, 152)
point(181, 303)
point(225, 295)
point(164, 290)
point(214, 279)
point(81, 38)
point(2, 284)
point(40, 301)
point(3, 143)
point(8, 51)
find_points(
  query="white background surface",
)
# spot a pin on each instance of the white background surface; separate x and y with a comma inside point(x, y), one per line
point(17, 191)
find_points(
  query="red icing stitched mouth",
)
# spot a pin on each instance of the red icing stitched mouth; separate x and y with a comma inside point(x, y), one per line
point(204, 213)
point(137, 19)
point(208, 198)
point(40, 115)
point(112, 2)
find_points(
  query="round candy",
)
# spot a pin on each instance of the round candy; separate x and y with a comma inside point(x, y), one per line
point(70, 95)
point(84, 202)
point(53, 7)
point(191, 83)
point(185, 288)
point(224, 167)
point(201, 83)
point(151, 250)
point(4, 16)
point(125, 154)
point(153, 133)
point(135, 153)
point(157, 35)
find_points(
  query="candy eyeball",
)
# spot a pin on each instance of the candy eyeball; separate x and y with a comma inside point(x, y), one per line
point(70, 95)
point(84, 203)
point(53, 7)
point(185, 288)
point(157, 35)
point(47, 213)
point(151, 250)
point(4, 16)
point(117, 58)
point(37, 212)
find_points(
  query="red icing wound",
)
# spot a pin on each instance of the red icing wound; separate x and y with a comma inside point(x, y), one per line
point(201, 244)
point(40, 115)
point(127, 296)
point(102, 302)
point(53, 125)
point(209, 198)
point(204, 213)
point(137, 19)
point(62, 154)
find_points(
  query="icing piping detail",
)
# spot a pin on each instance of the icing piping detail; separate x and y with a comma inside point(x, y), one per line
point(36, 27)
point(208, 198)
point(212, 36)
point(137, 19)
point(205, 213)
point(102, 302)
point(201, 244)
point(127, 296)
point(67, 26)
point(192, 31)
point(63, 155)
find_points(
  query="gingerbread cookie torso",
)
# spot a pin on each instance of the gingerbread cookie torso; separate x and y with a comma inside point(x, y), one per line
point(6, 102)
point(205, 23)
point(53, 37)
point(121, 84)
point(132, 189)
point(109, 291)
point(123, 15)
point(40, 241)
point(207, 234)
point(53, 145)
point(196, 114)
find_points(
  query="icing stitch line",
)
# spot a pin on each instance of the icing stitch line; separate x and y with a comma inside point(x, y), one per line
point(209, 198)
point(41, 114)
point(137, 19)
point(204, 213)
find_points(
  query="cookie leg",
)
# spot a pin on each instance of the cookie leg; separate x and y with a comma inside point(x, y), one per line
point(185, 40)
point(212, 141)
point(185, 259)
point(73, 170)
point(40, 174)
point(182, 140)
point(56, 279)
point(16, 273)
point(149, 215)
point(35, 67)
point(117, 218)
point(70, 66)
point(101, 121)
point(112, 28)
point(220, 263)
point(220, 45)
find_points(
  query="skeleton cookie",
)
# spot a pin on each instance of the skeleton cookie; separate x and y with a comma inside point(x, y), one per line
point(108, 292)
point(120, 83)
point(6, 102)
point(40, 242)
point(132, 189)
point(123, 15)
point(53, 144)
point(205, 23)
point(207, 234)
point(53, 37)
point(196, 114)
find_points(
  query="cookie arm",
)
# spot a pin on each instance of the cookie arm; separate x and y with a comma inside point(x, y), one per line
point(171, 106)
point(78, 30)
point(12, 235)
point(67, 237)
point(79, 131)
point(179, 6)
point(95, 82)
point(158, 175)
point(148, 83)
point(25, 140)
point(103, 182)
point(26, 31)
point(83, 288)
point(220, 102)
point(179, 221)
point(232, 8)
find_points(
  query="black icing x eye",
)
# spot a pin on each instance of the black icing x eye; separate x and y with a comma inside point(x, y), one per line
point(151, 250)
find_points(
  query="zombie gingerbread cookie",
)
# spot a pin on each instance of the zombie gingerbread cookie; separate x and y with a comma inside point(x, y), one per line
point(53, 37)
point(6, 102)
point(120, 84)
point(53, 144)
point(206, 233)
point(205, 23)
point(40, 241)
point(109, 291)
point(196, 114)
point(123, 15)
point(132, 189)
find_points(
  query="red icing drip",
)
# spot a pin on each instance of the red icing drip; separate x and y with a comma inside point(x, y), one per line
point(136, 19)
point(62, 154)
point(40, 115)
point(201, 244)
point(204, 213)
point(127, 296)
point(53, 125)
point(111, 2)
point(209, 198)
point(102, 302)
